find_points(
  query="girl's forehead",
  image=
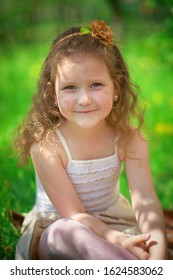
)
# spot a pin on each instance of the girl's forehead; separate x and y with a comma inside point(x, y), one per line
point(81, 60)
point(80, 57)
point(82, 69)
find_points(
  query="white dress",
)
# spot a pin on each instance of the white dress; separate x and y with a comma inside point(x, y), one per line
point(97, 184)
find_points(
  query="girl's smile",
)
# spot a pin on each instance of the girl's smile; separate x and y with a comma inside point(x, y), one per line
point(85, 112)
point(84, 90)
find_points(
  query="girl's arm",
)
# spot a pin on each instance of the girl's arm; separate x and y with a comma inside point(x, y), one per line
point(49, 166)
point(145, 203)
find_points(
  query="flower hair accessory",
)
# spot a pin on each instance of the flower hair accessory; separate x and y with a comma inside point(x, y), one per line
point(99, 30)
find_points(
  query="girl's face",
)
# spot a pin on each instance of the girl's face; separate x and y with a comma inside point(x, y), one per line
point(84, 90)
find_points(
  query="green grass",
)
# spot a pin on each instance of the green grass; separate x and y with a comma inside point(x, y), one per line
point(150, 60)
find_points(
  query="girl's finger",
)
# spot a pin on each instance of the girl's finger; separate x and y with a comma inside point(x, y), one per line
point(137, 246)
point(135, 240)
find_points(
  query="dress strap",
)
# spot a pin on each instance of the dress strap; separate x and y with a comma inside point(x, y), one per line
point(115, 143)
point(64, 143)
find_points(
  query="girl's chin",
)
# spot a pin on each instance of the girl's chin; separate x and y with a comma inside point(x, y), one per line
point(88, 124)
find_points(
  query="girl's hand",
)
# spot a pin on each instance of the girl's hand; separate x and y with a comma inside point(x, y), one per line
point(136, 245)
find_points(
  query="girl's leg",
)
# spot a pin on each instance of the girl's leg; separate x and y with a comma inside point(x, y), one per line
point(67, 239)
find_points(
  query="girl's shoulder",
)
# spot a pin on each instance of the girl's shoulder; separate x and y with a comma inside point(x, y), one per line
point(134, 146)
point(49, 146)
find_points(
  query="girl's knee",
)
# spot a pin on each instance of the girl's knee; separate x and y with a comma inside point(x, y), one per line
point(63, 227)
point(65, 224)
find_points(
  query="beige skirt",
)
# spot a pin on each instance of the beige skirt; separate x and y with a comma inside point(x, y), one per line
point(120, 217)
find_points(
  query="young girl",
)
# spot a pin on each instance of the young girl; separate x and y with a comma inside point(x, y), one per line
point(78, 133)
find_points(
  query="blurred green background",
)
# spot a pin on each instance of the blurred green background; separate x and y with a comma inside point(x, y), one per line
point(144, 32)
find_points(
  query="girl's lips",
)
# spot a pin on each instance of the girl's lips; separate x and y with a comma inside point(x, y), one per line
point(85, 112)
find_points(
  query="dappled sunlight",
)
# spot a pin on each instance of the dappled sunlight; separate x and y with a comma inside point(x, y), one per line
point(164, 129)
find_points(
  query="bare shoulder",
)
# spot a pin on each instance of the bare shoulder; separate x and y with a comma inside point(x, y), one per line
point(135, 147)
point(50, 148)
point(48, 143)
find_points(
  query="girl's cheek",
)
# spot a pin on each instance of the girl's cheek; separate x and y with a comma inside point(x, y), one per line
point(66, 102)
point(105, 101)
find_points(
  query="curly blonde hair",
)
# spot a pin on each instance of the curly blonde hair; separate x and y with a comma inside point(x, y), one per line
point(44, 116)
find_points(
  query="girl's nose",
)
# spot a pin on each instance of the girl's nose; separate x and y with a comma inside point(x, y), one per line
point(83, 98)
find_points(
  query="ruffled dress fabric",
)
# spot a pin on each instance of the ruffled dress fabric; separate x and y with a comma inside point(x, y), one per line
point(97, 185)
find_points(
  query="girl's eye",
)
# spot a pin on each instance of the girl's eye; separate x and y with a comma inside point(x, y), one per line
point(70, 87)
point(95, 85)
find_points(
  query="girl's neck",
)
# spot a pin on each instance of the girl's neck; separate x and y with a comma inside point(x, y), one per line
point(85, 134)
point(90, 143)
